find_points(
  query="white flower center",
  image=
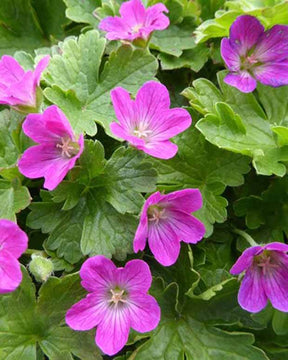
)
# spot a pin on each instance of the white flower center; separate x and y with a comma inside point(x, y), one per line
point(136, 28)
point(142, 131)
point(68, 147)
point(117, 296)
point(155, 213)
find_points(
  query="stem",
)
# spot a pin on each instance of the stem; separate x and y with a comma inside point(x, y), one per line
point(33, 251)
point(246, 236)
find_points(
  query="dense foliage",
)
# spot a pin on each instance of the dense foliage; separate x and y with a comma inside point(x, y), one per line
point(235, 152)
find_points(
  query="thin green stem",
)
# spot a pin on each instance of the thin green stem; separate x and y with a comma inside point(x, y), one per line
point(246, 236)
point(34, 251)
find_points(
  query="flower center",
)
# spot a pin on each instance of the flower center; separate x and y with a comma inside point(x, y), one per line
point(118, 295)
point(155, 213)
point(142, 132)
point(266, 261)
point(135, 29)
point(68, 147)
point(249, 61)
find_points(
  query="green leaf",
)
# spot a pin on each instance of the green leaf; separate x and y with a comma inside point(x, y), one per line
point(19, 27)
point(101, 208)
point(194, 340)
point(13, 198)
point(83, 91)
point(9, 130)
point(219, 27)
point(198, 164)
point(240, 124)
point(128, 176)
point(27, 322)
point(82, 11)
point(268, 211)
point(173, 40)
point(193, 59)
point(51, 16)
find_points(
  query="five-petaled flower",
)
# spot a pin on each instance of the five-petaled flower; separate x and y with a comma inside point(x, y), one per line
point(148, 122)
point(266, 271)
point(17, 87)
point(13, 243)
point(166, 220)
point(135, 21)
point(117, 300)
point(253, 54)
point(58, 148)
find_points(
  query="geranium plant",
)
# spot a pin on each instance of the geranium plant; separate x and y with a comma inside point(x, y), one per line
point(143, 180)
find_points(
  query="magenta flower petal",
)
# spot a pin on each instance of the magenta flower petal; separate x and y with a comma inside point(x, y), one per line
point(245, 32)
point(166, 220)
point(265, 278)
point(118, 295)
point(133, 11)
point(135, 21)
point(147, 122)
point(252, 54)
point(176, 121)
point(41, 66)
point(245, 260)
point(187, 200)
point(87, 313)
point(97, 273)
point(13, 243)
point(272, 74)
point(188, 228)
point(251, 296)
point(135, 276)
point(276, 246)
point(160, 149)
point(230, 55)
point(242, 81)
point(144, 313)
point(10, 272)
point(151, 98)
point(155, 17)
point(44, 160)
point(272, 46)
point(47, 127)
point(123, 106)
point(276, 285)
point(165, 249)
point(12, 239)
point(112, 333)
point(10, 70)
point(58, 149)
point(18, 88)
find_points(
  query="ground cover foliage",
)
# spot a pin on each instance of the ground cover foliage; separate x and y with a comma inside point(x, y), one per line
point(235, 152)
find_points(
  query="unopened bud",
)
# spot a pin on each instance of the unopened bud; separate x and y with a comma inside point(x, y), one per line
point(41, 268)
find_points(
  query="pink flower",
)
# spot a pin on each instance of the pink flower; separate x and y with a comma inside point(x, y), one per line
point(17, 87)
point(253, 54)
point(148, 122)
point(135, 21)
point(165, 220)
point(13, 243)
point(58, 148)
point(266, 274)
point(117, 300)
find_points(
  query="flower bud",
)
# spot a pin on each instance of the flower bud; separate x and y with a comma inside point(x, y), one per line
point(41, 268)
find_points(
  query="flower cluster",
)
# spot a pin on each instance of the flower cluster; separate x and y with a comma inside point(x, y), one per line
point(118, 297)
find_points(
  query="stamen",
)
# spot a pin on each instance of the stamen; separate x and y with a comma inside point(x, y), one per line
point(117, 296)
point(156, 213)
point(68, 150)
point(266, 265)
